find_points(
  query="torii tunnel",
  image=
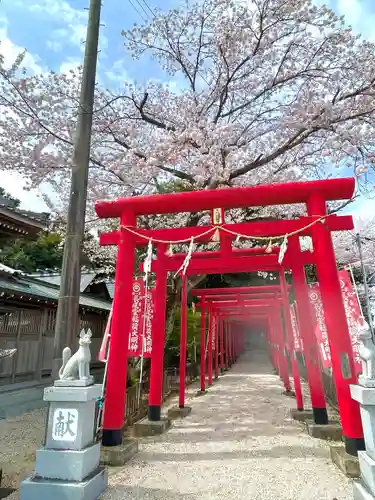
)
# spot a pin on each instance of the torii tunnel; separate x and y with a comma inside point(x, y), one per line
point(264, 307)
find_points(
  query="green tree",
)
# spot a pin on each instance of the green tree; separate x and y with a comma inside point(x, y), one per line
point(172, 348)
point(45, 253)
point(7, 196)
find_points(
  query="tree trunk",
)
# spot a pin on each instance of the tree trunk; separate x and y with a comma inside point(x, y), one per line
point(173, 302)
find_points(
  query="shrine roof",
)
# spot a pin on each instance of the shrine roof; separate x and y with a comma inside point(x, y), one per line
point(14, 220)
point(13, 282)
point(55, 278)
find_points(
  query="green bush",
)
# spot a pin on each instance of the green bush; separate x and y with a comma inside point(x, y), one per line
point(172, 347)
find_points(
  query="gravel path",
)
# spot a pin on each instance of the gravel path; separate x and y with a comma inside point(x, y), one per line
point(19, 438)
point(239, 442)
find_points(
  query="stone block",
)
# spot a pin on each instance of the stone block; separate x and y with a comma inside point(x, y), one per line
point(5, 492)
point(74, 383)
point(360, 492)
point(71, 425)
point(302, 416)
point(200, 393)
point(177, 413)
point(348, 464)
point(67, 465)
point(146, 427)
point(289, 394)
point(35, 488)
point(330, 432)
point(367, 468)
point(364, 395)
point(116, 456)
point(72, 394)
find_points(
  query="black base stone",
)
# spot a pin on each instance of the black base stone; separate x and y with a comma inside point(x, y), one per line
point(289, 394)
point(354, 445)
point(154, 413)
point(200, 393)
point(112, 437)
point(320, 416)
point(5, 492)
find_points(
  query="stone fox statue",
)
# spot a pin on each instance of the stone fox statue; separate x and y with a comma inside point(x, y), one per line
point(77, 367)
point(367, 353)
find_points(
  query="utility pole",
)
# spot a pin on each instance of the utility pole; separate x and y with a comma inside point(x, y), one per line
point(67, 320)
point(368, 306)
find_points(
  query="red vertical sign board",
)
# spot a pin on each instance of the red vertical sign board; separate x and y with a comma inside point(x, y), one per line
point(141, 326)
point(149, 316)
point(142, 315)
point(136, 328)
point(213, 329)
point(353, 315)
point(320, 325)
point(296, 337)
point(103, 353)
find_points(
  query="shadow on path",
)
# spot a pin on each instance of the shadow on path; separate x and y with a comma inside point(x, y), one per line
point(239, 442)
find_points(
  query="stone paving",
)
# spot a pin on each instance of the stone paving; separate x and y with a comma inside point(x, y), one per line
point(238, 443)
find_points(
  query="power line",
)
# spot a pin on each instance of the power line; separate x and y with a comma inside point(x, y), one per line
point(154, 16)
point(148, 7)
point(137, 11)
point(144, 10)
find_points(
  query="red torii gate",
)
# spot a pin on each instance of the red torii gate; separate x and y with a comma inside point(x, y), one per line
point(245, 261)
point(217, 297)
point(314, 194)
point(240, 262)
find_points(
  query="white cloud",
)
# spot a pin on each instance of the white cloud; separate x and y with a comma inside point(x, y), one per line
point(70, 63)
point(118, 73)
point(10, 51)
point(358, 15)
point(73, 19)
point(54, 45)
point(15, 185)
point(363, 211)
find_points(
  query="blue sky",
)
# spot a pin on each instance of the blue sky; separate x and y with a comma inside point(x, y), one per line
point(53, 31)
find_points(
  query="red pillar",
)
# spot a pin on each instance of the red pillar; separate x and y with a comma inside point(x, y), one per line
point(226, 339)
point(209, 350)
point(289, 332)
point(216, 347)
point(337, 328)
point(231, 355)
point(234, 337)
point(183, 341)
point(115, 393)
point(203, 344)
point(310, 349)
point(281, 353)
point(221, 334)
point(272, 344)
point(158, 337)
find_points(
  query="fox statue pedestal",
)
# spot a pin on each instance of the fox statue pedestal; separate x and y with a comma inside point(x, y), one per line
point(69, 464)
point(364, 393)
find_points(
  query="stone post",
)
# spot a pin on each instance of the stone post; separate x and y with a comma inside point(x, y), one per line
point(69, 464)
point(364, 394)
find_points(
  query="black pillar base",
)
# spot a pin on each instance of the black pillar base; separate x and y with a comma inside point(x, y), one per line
point(154, 413)
point(354, 445)
point(320, 416)
point(112, 437)
point(300, 409)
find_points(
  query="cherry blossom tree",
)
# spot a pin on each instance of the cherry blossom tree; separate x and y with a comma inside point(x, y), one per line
point(260, 91)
